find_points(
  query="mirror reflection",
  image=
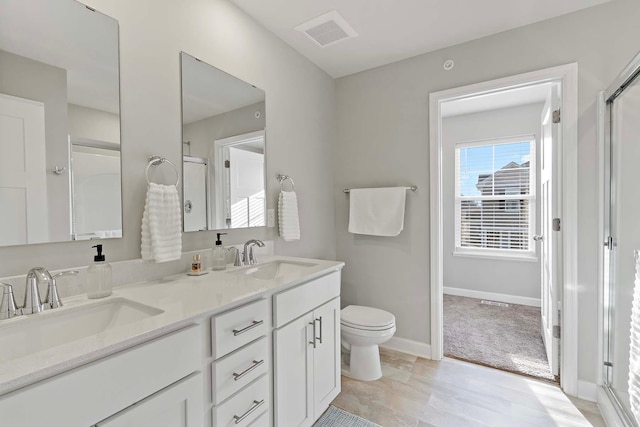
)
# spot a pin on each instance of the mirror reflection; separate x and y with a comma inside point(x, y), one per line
point(59, 123)
point(223, 122)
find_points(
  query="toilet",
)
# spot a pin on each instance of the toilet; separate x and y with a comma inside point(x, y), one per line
point(363, 329)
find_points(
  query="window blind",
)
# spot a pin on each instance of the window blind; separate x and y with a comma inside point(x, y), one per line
point(495, 195)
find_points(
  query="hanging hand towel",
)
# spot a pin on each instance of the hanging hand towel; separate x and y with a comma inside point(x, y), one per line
point(288, 220)
point(162, 224)
point(634, 353)
point(377, 211)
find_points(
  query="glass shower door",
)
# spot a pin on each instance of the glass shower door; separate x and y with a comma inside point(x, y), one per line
point(623, 226)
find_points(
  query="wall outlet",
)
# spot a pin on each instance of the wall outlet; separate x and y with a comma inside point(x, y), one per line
point(271, 217)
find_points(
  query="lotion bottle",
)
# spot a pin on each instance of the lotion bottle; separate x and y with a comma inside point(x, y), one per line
point(219, 258)
point(99, 282)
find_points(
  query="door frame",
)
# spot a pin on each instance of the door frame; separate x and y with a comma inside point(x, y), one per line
point(567, 75)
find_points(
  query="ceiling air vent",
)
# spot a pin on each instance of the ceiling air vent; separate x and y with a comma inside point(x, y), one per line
point(327, 29)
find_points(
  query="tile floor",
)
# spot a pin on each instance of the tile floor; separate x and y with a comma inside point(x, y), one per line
point(415, 392)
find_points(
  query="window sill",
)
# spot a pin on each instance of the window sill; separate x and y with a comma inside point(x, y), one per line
point(529, 257)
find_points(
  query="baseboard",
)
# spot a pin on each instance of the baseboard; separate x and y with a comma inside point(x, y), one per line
point(403, 345)
point(587, 391)
point(512, 299)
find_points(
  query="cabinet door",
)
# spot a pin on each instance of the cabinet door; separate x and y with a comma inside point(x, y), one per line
point(293, 366)
point(179, 405)
point(326, 356)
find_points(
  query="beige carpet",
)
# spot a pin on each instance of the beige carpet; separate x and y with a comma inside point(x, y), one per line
point(506, 338)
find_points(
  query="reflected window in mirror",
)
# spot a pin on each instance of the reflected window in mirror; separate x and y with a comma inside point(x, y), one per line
point(59, 123)
point(223, 129)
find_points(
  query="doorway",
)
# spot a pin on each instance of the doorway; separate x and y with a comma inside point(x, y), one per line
point(496, 203)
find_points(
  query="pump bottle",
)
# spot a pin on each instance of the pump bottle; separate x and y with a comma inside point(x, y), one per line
point(219, 257)
point(99, 282)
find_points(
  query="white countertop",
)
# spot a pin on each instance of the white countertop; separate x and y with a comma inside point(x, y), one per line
point(183, 300)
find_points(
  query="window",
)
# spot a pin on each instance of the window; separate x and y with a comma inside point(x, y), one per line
point(495, 197)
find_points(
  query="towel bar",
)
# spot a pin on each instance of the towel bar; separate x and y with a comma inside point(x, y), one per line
point(282, 178)
point(157, 161)
point(412, 188)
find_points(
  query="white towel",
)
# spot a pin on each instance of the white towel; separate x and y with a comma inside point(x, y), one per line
point(377, 211)
point(162, 224)
point(634, 351)
point(288, 220)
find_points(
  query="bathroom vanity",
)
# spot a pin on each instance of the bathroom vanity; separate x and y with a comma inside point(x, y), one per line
point(256, 345)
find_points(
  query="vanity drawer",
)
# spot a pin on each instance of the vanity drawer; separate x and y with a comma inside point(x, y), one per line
point(230, 374)
point(295, 302)
point(247, 406)
point(235, 328)
point(94, 392)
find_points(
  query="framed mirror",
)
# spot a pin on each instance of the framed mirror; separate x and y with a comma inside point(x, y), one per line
point(223, 134)
point(59, 123)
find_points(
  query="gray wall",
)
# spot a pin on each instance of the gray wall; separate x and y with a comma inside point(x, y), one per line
point(301, 124)
point(503, 276)
point(203, 133)
point(37, 81)
point(85, 122)
point(383, 139)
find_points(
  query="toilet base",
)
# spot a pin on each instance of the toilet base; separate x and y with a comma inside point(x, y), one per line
point(364, 363)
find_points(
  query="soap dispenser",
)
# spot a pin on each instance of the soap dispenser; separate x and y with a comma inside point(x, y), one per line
point(99, 283)
point(219, 258)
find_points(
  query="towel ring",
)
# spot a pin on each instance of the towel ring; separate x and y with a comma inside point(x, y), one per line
point(157, 161)
point(282, 178)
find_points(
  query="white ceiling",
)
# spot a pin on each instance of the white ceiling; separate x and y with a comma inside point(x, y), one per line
point(495, 101)
point(208, 91)
point(67, 35)
point(393, 30)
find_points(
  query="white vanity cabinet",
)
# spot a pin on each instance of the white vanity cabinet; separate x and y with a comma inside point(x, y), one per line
point(306, 351)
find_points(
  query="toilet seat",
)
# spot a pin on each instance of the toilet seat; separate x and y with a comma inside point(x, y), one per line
point(372, 333)
point(366, 318)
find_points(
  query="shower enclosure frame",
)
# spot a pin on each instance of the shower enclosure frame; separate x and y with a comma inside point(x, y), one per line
point(607, 398)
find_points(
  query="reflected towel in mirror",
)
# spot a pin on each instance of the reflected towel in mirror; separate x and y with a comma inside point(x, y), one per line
point(288, 219)
point(162, 224)
point(377, 211)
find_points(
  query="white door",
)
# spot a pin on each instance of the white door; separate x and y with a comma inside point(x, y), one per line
point(548, 239)
point(179, 405)
point(326, 356)
point(246, 188)
point(293, 373)
point(23, 180)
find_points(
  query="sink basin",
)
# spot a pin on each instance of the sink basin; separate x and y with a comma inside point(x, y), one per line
point(29, 334)
point(274, 269)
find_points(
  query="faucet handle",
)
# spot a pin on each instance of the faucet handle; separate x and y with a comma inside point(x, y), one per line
point(65, 273)
point(52, 299)
point(237, 262)
point(8, 308)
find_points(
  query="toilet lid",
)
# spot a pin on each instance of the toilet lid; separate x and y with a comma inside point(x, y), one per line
point(366, 317)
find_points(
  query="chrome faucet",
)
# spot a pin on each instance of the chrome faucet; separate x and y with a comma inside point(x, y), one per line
point(248, 257)
point(32, 301)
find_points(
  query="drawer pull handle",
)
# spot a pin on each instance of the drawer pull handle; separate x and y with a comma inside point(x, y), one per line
point(256, 363)
point(254, 324)
point(256, 405)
